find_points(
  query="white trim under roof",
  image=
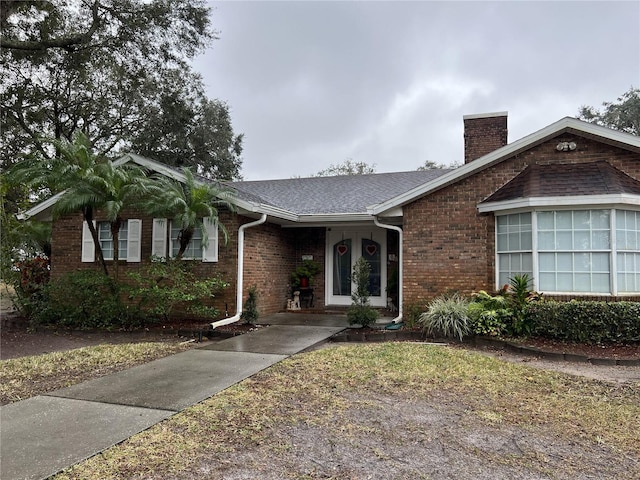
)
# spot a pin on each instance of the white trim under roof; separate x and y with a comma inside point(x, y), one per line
point(567, 123)
point(583, 201)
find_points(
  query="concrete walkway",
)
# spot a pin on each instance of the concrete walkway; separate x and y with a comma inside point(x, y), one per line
point(45, 434)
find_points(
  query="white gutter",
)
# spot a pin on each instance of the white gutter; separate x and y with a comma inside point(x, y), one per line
point(398, 319)
point(236, 317)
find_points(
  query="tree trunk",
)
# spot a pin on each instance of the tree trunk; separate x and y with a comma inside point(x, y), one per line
point(115, 235)
point(184, 238)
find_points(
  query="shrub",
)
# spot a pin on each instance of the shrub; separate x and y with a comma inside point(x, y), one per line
point(360, 311)
point(519, 295)
point(84, 300)
point(34, 274)
point(164, 284)
point(411, 314)
point(250, 308)
point(447, 316)
point(489, 314)
point(586, 321)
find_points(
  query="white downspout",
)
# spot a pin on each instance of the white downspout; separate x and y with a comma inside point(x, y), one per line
point(236, 317)
point(398, 319)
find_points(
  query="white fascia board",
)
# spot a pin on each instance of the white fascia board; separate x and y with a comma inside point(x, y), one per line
point(41, 207)
point(504, 152)
point(554, 202)
point(152, 165)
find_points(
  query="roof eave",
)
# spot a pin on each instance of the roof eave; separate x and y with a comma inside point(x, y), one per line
point(583, 201)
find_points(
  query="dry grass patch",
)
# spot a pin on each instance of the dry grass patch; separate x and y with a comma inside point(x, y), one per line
point(26, 377)
point(354, 397)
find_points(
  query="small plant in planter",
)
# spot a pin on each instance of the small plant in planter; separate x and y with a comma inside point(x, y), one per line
point(250, 308)
point(303, 275)
point(360, 311)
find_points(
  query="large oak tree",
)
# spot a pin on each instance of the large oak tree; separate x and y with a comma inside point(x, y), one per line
point(118, 71)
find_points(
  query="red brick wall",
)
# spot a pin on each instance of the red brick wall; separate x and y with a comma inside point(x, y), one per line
point(269, 258)
point(449, 246)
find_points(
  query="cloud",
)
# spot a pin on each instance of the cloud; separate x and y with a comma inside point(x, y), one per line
point(313, 83)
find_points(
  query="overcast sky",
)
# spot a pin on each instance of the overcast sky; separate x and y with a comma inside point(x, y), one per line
point(311, 84)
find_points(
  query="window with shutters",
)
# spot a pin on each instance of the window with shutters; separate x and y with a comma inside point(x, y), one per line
point(128, 241)
point(203, 245)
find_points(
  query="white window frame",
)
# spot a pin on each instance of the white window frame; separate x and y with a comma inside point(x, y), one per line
point(612, 251)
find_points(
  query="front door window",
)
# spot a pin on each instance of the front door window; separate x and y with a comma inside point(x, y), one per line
point(342, 267)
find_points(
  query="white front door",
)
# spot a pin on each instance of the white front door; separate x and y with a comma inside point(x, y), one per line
point(344, 247)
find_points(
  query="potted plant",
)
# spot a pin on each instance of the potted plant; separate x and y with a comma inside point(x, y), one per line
point(303, 275)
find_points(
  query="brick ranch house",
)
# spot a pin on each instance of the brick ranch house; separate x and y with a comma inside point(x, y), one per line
point(561, 204)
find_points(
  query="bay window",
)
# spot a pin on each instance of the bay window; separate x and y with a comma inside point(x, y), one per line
point(571, 251)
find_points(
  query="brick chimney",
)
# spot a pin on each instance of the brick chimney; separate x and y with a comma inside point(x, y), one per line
point(483, 133)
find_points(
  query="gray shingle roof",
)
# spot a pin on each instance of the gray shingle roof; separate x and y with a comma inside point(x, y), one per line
point(344, 194)
point(558, 180)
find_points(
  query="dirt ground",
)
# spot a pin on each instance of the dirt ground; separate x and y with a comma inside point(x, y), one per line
point(416, 438)
point(385, 437)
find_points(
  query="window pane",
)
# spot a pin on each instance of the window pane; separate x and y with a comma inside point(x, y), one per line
point(371, 252)
point(600, 240)
point(503, 223)
point(582, 282)
point(600, 283)
point(503, 243)
point(564, 220)
point(564, 282)
point(600, 262)
point(548, 282)
point(546, 241)
point(545, 220)
point(582, 262)
point(564, 240)
point(547, 262)
point(600, 219)
point(564, 262)
point(582, 240)
point(582, 220)
point(514, 241)
point(342, 267)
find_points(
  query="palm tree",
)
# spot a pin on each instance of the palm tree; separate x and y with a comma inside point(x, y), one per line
point(187, 203)
point(87, 183)
point(109, 188)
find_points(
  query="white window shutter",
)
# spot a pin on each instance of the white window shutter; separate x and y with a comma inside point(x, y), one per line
point(210, 251)
point(133, 240)
point(159, 237)
point(88, 247)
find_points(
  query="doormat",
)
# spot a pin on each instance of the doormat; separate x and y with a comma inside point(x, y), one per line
point(394, 326)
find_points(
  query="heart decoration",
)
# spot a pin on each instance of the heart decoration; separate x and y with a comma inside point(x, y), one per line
point(342, 249)
point(371, 249)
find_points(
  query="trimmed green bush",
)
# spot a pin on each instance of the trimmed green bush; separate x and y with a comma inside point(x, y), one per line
point(586, 321)
point(82, 300)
